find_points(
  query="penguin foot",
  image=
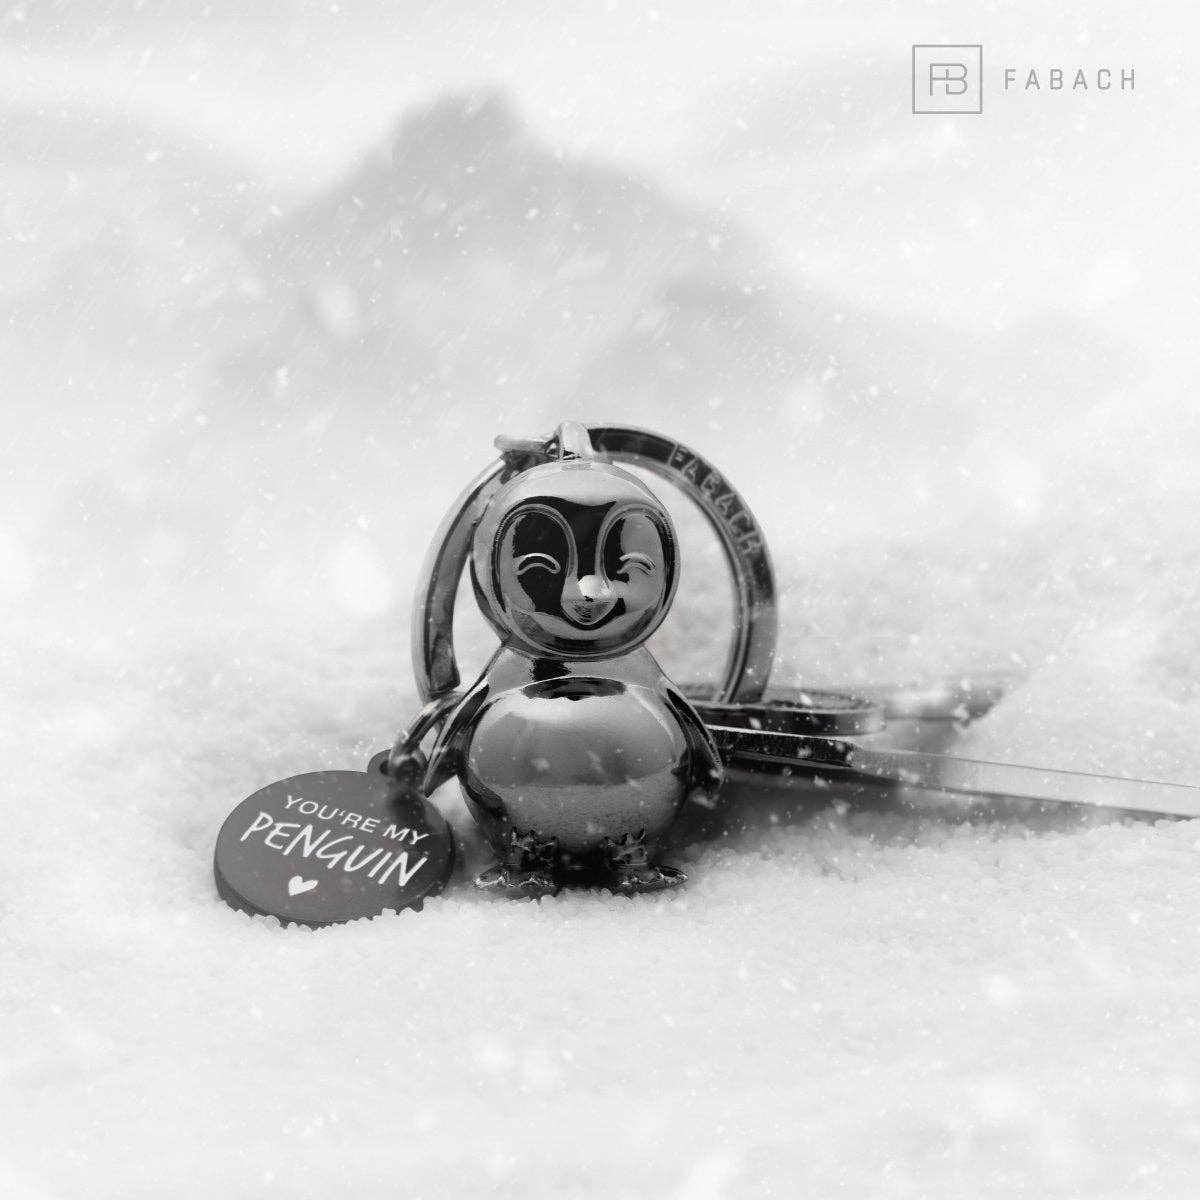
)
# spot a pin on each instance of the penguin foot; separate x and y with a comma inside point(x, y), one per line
point(630, 870)
point(516, 884)
point(630, 880)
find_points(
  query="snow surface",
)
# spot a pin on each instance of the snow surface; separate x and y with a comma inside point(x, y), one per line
point(272, 278)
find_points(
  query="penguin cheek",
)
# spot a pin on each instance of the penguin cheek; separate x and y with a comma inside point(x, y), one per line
point(642, 593)
point(568, 594)
point(629, 602)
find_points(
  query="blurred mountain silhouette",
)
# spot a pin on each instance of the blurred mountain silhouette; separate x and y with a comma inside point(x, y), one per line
point(466, 263)
point(468, 260)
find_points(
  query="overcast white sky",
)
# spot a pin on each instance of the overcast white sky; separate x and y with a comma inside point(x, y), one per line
point(793, 116)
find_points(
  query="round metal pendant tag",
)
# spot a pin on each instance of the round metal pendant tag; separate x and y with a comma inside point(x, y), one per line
point(332, 846)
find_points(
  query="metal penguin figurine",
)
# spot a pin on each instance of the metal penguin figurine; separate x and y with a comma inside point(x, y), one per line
point(575, 751)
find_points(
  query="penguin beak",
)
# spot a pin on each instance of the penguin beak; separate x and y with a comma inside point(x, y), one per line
point(589, 601)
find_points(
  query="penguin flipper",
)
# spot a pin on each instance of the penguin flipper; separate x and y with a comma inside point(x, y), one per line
point(706, 772)
point(445, 759)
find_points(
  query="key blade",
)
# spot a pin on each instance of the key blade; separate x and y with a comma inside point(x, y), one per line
point(832, 759)
point(977, 777)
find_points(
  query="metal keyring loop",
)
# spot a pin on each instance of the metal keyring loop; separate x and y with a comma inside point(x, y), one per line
point(749, 663)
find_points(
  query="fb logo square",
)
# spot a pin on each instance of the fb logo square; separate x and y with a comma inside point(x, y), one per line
point(947, 79)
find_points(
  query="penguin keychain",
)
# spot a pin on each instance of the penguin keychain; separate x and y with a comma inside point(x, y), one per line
point(576, 754)
point(575, 751)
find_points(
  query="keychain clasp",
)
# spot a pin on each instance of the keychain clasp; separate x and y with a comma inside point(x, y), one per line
point(406, 761)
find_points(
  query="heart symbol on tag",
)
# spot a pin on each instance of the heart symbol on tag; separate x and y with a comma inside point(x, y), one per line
point(298, 884)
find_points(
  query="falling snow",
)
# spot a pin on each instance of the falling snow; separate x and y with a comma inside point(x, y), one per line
point(272, 278)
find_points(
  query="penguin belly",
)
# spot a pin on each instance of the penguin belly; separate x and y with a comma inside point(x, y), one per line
point(578, 760)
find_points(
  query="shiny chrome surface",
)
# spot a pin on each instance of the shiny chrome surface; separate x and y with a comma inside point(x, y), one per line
point(749, 663)
point(577, 766)
point(795, 710)
point(577, 759)
point(574, 750)
point(435, 667)
point(576, 559)
point(756, 619)
point(405, 761)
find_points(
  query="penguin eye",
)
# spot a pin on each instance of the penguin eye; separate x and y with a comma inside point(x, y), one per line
point(536, 561)
point(635, 559)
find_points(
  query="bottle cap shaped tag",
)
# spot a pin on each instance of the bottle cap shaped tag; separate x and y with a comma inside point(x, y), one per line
point(333, 846)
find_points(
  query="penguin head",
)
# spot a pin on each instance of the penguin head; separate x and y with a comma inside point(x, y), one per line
point(575, 559)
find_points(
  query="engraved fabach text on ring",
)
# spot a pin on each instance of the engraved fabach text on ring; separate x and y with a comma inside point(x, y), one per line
point(724, 501)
